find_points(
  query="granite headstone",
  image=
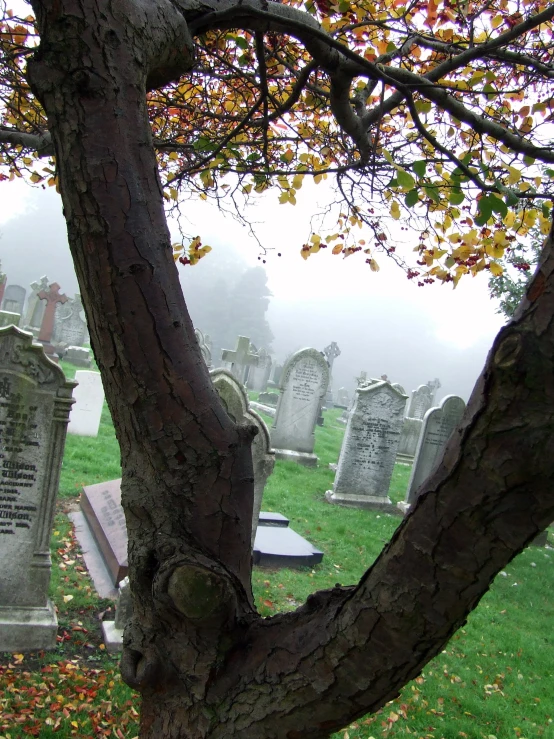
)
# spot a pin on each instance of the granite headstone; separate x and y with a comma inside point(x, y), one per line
point(304, 383)
point(368, 452)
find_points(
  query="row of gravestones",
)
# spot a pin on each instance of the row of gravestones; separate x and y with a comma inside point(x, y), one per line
point(35, 402)
point(53, 318)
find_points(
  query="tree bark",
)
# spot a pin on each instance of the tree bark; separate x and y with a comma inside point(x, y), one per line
point(205, 663)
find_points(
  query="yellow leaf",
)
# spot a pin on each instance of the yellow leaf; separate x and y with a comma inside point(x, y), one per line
point(395, 210)
point(284, 197)
point(36, 177)
point(173, 156)
point(337, 249)
point(495, 269)
point(67, 598)
point(509, 219)
point(374, 267)
point(304, 253)
point(173, 194)
point(297, 181)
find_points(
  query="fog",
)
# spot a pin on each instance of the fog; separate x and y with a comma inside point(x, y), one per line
point(382, 323)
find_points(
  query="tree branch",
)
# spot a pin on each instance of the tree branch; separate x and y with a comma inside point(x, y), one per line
point(41, 143)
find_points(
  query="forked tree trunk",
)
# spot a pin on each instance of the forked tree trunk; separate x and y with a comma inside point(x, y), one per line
point(206, 665)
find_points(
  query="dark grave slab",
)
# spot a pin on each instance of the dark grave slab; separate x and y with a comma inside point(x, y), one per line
point(277, 546)
point(272, 519)
point(101, 506)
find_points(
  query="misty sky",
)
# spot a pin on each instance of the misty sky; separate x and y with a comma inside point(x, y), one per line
point(381, 322)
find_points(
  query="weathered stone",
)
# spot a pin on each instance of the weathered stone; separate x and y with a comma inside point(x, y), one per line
point(368, 452)
point(7, 318)
point(69, 327)
point(303, 386)
point(35, 399)
point(437, 427)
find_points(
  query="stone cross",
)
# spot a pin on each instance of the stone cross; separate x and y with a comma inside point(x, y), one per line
point(52, 297)
point(331, 353)
point(240, 358)
point(35, 306)
point(434, 385)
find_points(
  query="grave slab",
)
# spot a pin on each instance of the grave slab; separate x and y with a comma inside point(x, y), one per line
point(282, 547)
point(101, 506)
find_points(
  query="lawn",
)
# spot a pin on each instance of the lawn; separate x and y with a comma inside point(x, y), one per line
point(492, 681)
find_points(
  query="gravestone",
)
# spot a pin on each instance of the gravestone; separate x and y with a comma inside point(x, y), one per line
point(84, 419)
point(368, 452)
point(52, 296)
point(409, 437)
point(434, 385)
point(240, 358)
point(331, 352)
point(14, 299)
point(35, 306)
point(9, 319)
point(101, 505)
point(235, 400)
point(438, 425)
point(78, 355)
point(69, 328)
point(420, 402)
point(259, 375)
point(204, 347)
point(304, 382)
point(275, 377)
point(343, 399)
point(35, 399)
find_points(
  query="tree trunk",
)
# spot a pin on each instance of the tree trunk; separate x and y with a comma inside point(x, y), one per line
point(205, 663)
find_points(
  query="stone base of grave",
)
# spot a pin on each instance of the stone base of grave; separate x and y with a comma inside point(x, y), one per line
point(404, 507)
point(112, 637)
point(304, 458)
point(27, 628)
point(372, 502)
point(406, 459)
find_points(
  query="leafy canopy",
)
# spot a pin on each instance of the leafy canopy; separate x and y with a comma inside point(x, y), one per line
point(436, 114)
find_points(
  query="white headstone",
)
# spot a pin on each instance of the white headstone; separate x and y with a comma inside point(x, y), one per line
point(35, 399)
point(70, 329)
point(368, 452)
point(84, 419)
point(438, 425)
point(235, 400)
point(303, 386)
point(421, 402)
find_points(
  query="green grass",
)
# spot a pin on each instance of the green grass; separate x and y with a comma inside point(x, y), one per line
point(493, 679)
